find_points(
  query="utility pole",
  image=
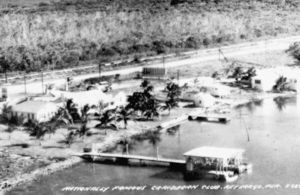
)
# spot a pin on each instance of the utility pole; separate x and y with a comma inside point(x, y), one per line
point(99, 68)
point(25, 87)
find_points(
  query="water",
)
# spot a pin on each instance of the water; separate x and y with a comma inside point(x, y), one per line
point(273, 148)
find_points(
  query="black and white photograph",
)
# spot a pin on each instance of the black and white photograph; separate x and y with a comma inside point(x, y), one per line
point(149, 97)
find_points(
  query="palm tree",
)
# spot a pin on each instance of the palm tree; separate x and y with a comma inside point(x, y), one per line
point(38, 130)
point(70, 137)
point(80, 131)
point(150, 109)
point(71, 107)
point(280, 84)
point(102, 106)
point(68, 113)
point(173, 93)
point(169, 104)
point(173, 90)
point(237, 73)
point(106, 120)
point(124, 115)
point(84, 113)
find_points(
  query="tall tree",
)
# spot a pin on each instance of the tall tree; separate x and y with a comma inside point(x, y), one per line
point(144, 101)
point(106, 120)
point(38, 130)
point(124, 115)
point(173, 93)
point(68, 113)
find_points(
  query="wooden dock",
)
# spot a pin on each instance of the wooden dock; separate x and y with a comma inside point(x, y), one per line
point(127, 157)
point(174, 122)
point(203, 116)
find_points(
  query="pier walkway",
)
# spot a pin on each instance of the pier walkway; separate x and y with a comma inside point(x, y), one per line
point(126, 157)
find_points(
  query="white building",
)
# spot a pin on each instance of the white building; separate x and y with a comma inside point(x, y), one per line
point(204, 100)
point(199, 99)
point(36, 110)
point(265, 79)
point(91, 97)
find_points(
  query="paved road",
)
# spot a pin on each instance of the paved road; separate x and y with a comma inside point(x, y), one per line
point(195, 57)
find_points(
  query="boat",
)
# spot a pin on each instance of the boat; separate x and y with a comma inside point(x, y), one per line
point(225, 164)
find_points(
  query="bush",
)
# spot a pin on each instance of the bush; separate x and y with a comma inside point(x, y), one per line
point(294, 51)
point(192, 42)
point(159, 47)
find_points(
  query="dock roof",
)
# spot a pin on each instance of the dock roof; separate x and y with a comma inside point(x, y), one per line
point(214, 152)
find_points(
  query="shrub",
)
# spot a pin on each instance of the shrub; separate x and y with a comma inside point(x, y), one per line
point(294, 51)
point(192, 42)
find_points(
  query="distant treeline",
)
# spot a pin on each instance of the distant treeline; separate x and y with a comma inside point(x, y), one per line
point(64, 33)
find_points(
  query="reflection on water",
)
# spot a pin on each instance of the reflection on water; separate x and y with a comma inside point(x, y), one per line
point(281, 102)
point(274, 151)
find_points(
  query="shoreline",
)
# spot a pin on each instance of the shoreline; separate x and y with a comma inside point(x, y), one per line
point(111, 142)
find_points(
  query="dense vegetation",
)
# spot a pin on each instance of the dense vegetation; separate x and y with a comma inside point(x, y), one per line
point(59, 34)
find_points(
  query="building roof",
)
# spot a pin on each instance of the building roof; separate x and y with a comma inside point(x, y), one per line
point(214, 152)
point(33, 106)
point(81, 98)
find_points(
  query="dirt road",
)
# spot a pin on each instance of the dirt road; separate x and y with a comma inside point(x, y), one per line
point(192, 58)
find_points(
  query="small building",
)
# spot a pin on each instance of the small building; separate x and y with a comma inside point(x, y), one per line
point(154, 73)
point(264, 80)
point(200, 99)
point(204, 100)
point(35, 110)
point(91, 98)
point(222, 163)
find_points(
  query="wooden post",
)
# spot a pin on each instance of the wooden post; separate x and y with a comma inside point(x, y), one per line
point(5, 73)
point(42, 82)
